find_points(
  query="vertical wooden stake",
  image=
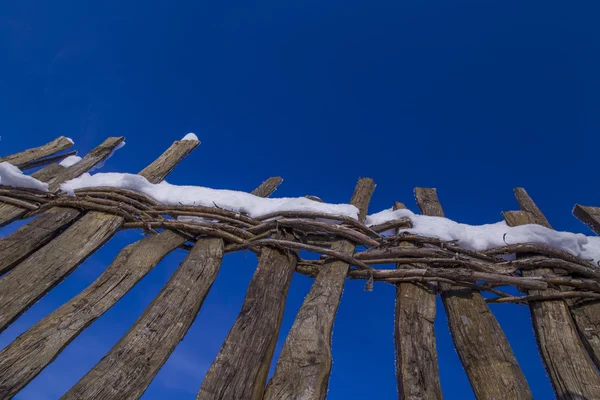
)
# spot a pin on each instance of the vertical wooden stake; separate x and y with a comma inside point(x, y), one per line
point(304, 365)
point(571, 371)
point(481, 345)
point(417, 371)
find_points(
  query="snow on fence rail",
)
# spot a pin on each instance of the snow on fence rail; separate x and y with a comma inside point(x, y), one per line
point(75, 213)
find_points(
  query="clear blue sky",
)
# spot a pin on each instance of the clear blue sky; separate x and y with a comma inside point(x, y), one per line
point(471, 97)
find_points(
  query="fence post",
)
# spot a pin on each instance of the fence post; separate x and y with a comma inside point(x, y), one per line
point(304, 364)
point(129, 367)
point(572, 373)
point(23, 159)
point(481, 345)
point(417, 371)
point(45, 268)
point(586, 314)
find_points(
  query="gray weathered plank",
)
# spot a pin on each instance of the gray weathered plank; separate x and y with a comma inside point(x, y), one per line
point(162, 326)
point(417, 372)
point(304, 364)
point(10, 213)
point(241, 366)
point(589, 216)
point(481, 345)
point(94, 157)
point(48, 160)
point(586, 314)
point(44, 269)
point(163, 165)
point(25, 157)
point(32, 351)
point(30, 237)
point(571, 371)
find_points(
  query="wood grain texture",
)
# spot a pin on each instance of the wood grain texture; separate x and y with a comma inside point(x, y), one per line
point(586, 315)
point(44, 269)
point(148, 344)
point(168, 318)
point(242, 364)
point(589, 216)
point(10, 213)
point(481, 345)
point(304, 365)
point(50, 264)
point(571, 371)
point(25, 157)
point(268, 187)
point(32, 351)
point(30, 237)
point(417, 372)
point(48, 160)
point(159, 169)
point(97, 155)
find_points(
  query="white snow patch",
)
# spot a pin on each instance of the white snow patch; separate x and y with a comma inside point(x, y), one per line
point(67, 162)
point(235, 201)
point(101, 163)
point(12, 176)
point(70, 140)
point(484, 237)
point(190, 136)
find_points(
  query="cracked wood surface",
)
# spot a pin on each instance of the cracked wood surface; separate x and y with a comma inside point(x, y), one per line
point(481, 345)
point(572, 373)
point(240, 369)
point(41, 271)
point(417, 372)
point(164, 323)
point(37, 347)
point(304, 365)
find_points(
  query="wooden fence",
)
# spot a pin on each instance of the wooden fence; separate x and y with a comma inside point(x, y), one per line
point(562, 291)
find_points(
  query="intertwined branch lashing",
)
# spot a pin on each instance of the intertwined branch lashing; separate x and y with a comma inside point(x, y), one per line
point(429, 261)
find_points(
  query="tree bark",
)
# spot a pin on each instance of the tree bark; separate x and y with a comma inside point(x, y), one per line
point(481, 345)
point(304, 365)
point(417, 372)
point(571, 371)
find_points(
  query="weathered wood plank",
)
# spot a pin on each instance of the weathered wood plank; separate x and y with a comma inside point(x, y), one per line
point(571, 371)
point(97, 155)
point(267, 187)
point(30, 237)
point(31, 352)
point(481, 345)
point(589, 216)
point(44, 269)
point(24, 358)
point(586, 315)
point(241, 366)
point(48, 160)
point(167, 161)
point(417, 372)
point(304, 364)
point(162, 326)
point(10, 213)
point(25, 157)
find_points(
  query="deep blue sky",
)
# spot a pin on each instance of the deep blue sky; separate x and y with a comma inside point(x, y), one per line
point(471, 97)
